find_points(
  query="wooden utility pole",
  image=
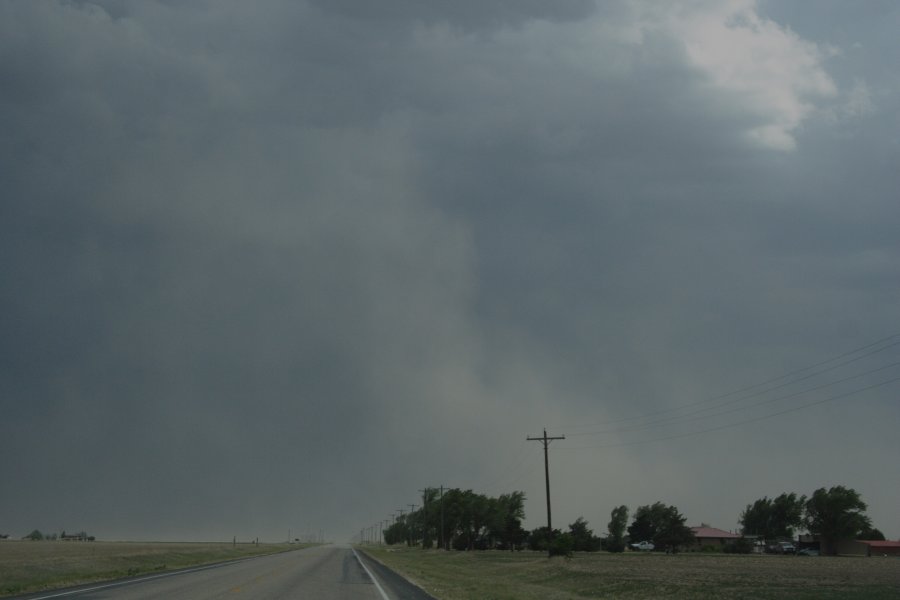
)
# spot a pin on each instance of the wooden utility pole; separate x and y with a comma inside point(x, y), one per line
point(424, 515)
point(545, 440)
point(442, 518)
point(410, 524)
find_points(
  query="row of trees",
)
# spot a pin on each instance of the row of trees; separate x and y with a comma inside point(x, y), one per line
point(463, 520)
point(578, 538)
point(834, 514)
point(36, 535)
point(663, 525)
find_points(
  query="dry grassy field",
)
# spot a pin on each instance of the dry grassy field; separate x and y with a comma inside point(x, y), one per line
point(27, 566)
point(525, 575)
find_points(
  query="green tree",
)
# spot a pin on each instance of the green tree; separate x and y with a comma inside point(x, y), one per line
point(773, 518)
point(397, 532)
point(480, 509)
point(870, 533)
point(428, 518)
point(562, 545)
point(463, 519)
point(473, 520)
point(34, 536)
point(738, 546)
point(458, 532)
point(836, 514)
point(505, 520)
point(539, 538)
point(617, 523)
point(583, 539)
point(663, 525)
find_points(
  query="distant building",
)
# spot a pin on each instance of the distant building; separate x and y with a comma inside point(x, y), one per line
point(867, 548)
point(757, 543)
point(705, 536)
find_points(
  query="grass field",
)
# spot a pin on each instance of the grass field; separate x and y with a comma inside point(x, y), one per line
point(27, 566)
point(526, 576)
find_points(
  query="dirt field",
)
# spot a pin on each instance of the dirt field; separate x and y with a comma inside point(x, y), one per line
point(27, 566)
point(525, 576)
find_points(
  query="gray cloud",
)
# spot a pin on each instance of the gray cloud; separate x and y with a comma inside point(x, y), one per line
point(282, 265)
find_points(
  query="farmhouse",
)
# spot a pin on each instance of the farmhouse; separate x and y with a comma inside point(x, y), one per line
point(704, 536)
point(867, 548)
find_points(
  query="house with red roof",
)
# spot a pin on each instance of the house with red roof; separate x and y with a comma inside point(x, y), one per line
point(867, 548)
point(706, 536)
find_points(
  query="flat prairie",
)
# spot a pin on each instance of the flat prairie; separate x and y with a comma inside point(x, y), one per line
point(27, 566)
point(531, 576)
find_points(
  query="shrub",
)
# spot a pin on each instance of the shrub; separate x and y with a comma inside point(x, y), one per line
point(740, 546)
point(562, 545)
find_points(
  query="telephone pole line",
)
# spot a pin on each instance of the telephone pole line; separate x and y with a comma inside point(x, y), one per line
point(424, 516)
point(410, 526)
point(545, 440)
point(442, 518)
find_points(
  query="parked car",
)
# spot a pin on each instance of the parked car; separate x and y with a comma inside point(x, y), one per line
point(807, 552)
point(785, 548)
point(644, 546)
point(781, 548)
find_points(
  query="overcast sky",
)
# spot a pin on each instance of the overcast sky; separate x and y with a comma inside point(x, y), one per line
point(280, 264)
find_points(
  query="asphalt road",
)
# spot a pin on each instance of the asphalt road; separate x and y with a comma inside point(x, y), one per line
point(323, 572)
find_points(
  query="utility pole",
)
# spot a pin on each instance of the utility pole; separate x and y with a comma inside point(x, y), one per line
point(424, 514)
point(410, 529)
point(545, 440)
point(442, 518)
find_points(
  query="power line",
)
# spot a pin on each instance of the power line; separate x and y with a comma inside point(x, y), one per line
point(881, 342)
point(746, 393)
point(739, 423)
point(684, 418)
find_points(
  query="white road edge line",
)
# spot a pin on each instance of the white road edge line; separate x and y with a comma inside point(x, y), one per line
point(141, 579)
point(369, 573)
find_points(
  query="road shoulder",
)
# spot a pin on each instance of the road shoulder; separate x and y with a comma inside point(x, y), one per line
point(398, 586)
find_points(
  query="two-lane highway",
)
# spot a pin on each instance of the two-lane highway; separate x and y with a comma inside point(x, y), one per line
point(322, 572)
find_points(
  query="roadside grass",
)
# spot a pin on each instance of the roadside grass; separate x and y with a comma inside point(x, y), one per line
point(494, 575)
point(27, 566)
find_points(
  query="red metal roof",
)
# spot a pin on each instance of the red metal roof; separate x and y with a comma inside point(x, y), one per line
point(880, 544)
point(712, 532)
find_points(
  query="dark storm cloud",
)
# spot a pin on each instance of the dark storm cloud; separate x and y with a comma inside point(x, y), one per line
point(282, 264)
point(190, 298)
point(468, 14)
